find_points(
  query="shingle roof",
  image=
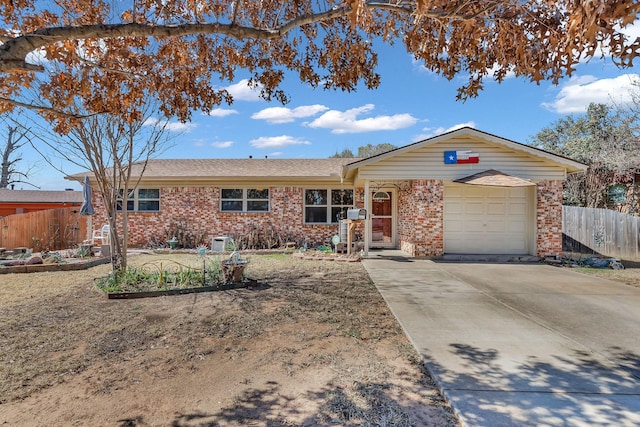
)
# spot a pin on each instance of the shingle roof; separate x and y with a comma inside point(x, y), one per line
point(167, 169)
point(494, 178)
point(39, 196)
point(243, 167)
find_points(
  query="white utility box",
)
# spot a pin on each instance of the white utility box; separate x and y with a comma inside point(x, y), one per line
point(219, 244)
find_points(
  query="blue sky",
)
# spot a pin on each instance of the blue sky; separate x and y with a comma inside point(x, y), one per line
point(410, 104)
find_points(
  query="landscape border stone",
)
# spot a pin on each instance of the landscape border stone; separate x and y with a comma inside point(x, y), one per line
point(250, 284)
point(70, 266)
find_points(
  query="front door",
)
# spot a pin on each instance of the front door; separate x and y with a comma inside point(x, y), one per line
point(383, 227)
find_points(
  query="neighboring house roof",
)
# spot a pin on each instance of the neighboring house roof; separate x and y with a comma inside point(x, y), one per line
point(39, 196)
point(570, 165)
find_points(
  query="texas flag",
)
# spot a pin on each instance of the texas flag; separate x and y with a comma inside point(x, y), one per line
point(460, 157)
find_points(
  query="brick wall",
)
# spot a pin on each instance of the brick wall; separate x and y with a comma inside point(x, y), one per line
point(549, 218)
point(198, 209)
point(420, 218)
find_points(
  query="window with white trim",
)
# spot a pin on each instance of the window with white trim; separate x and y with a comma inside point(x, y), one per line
point(324, 205)
point(141, 200)
point(244, 200)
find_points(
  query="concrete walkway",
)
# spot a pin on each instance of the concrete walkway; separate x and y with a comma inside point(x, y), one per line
point(519, 344)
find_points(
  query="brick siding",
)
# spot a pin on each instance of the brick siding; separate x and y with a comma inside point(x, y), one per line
point(420, 218)
point(549, 218)
point(198, 210)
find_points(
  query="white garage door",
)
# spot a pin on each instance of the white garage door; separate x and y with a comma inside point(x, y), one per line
point(486, 220)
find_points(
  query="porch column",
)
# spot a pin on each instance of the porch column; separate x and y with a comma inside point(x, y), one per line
point(367, 222)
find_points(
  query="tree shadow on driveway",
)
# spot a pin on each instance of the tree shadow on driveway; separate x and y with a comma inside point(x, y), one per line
point(581, 390)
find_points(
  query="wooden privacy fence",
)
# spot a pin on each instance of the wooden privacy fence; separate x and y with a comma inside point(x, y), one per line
point(600, 231)
point(52, 230)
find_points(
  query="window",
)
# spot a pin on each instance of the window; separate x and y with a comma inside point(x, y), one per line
point(617, 194)
point(141, 200)
point(244, 200)
point(323, 206)
point(148, 199)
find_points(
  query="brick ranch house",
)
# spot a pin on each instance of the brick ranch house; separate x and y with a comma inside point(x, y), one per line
point(463, 192)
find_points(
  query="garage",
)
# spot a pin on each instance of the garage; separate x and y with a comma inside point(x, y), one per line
point(466, 192)
point(487, 219)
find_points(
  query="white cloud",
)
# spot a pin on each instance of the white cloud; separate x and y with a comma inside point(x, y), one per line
point(241, 91)
point(277, 141)
point(431, 132)
point(37, 57)
point(222, 112)
point(286, 115)
point(576, 95)
point(171, 126)
point(222, 144)
point(509, 75)
point(180, 127)
point(632, 31)
point(276, 154)
point(348, 122)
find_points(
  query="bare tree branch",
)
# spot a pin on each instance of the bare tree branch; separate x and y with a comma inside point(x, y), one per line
point(16, 138)
point(46, 109)
point(108, 147)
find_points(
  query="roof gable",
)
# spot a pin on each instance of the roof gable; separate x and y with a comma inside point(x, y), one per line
point(428, 155)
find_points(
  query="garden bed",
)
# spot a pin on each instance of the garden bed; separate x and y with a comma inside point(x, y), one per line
point(251, 284)
point(166, 276)
point(71, 264)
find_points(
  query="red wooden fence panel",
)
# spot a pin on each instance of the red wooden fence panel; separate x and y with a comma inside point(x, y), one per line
point(50, 230)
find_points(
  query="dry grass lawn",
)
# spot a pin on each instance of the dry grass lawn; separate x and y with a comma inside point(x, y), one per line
point(630, 275)
point(314, 345)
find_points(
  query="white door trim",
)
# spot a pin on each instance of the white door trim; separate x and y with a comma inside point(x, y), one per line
point(394, 218)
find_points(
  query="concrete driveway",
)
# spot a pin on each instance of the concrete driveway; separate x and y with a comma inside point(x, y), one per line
point(520, 344)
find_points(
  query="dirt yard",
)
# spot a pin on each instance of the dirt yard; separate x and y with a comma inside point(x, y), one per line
point(313, 345)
